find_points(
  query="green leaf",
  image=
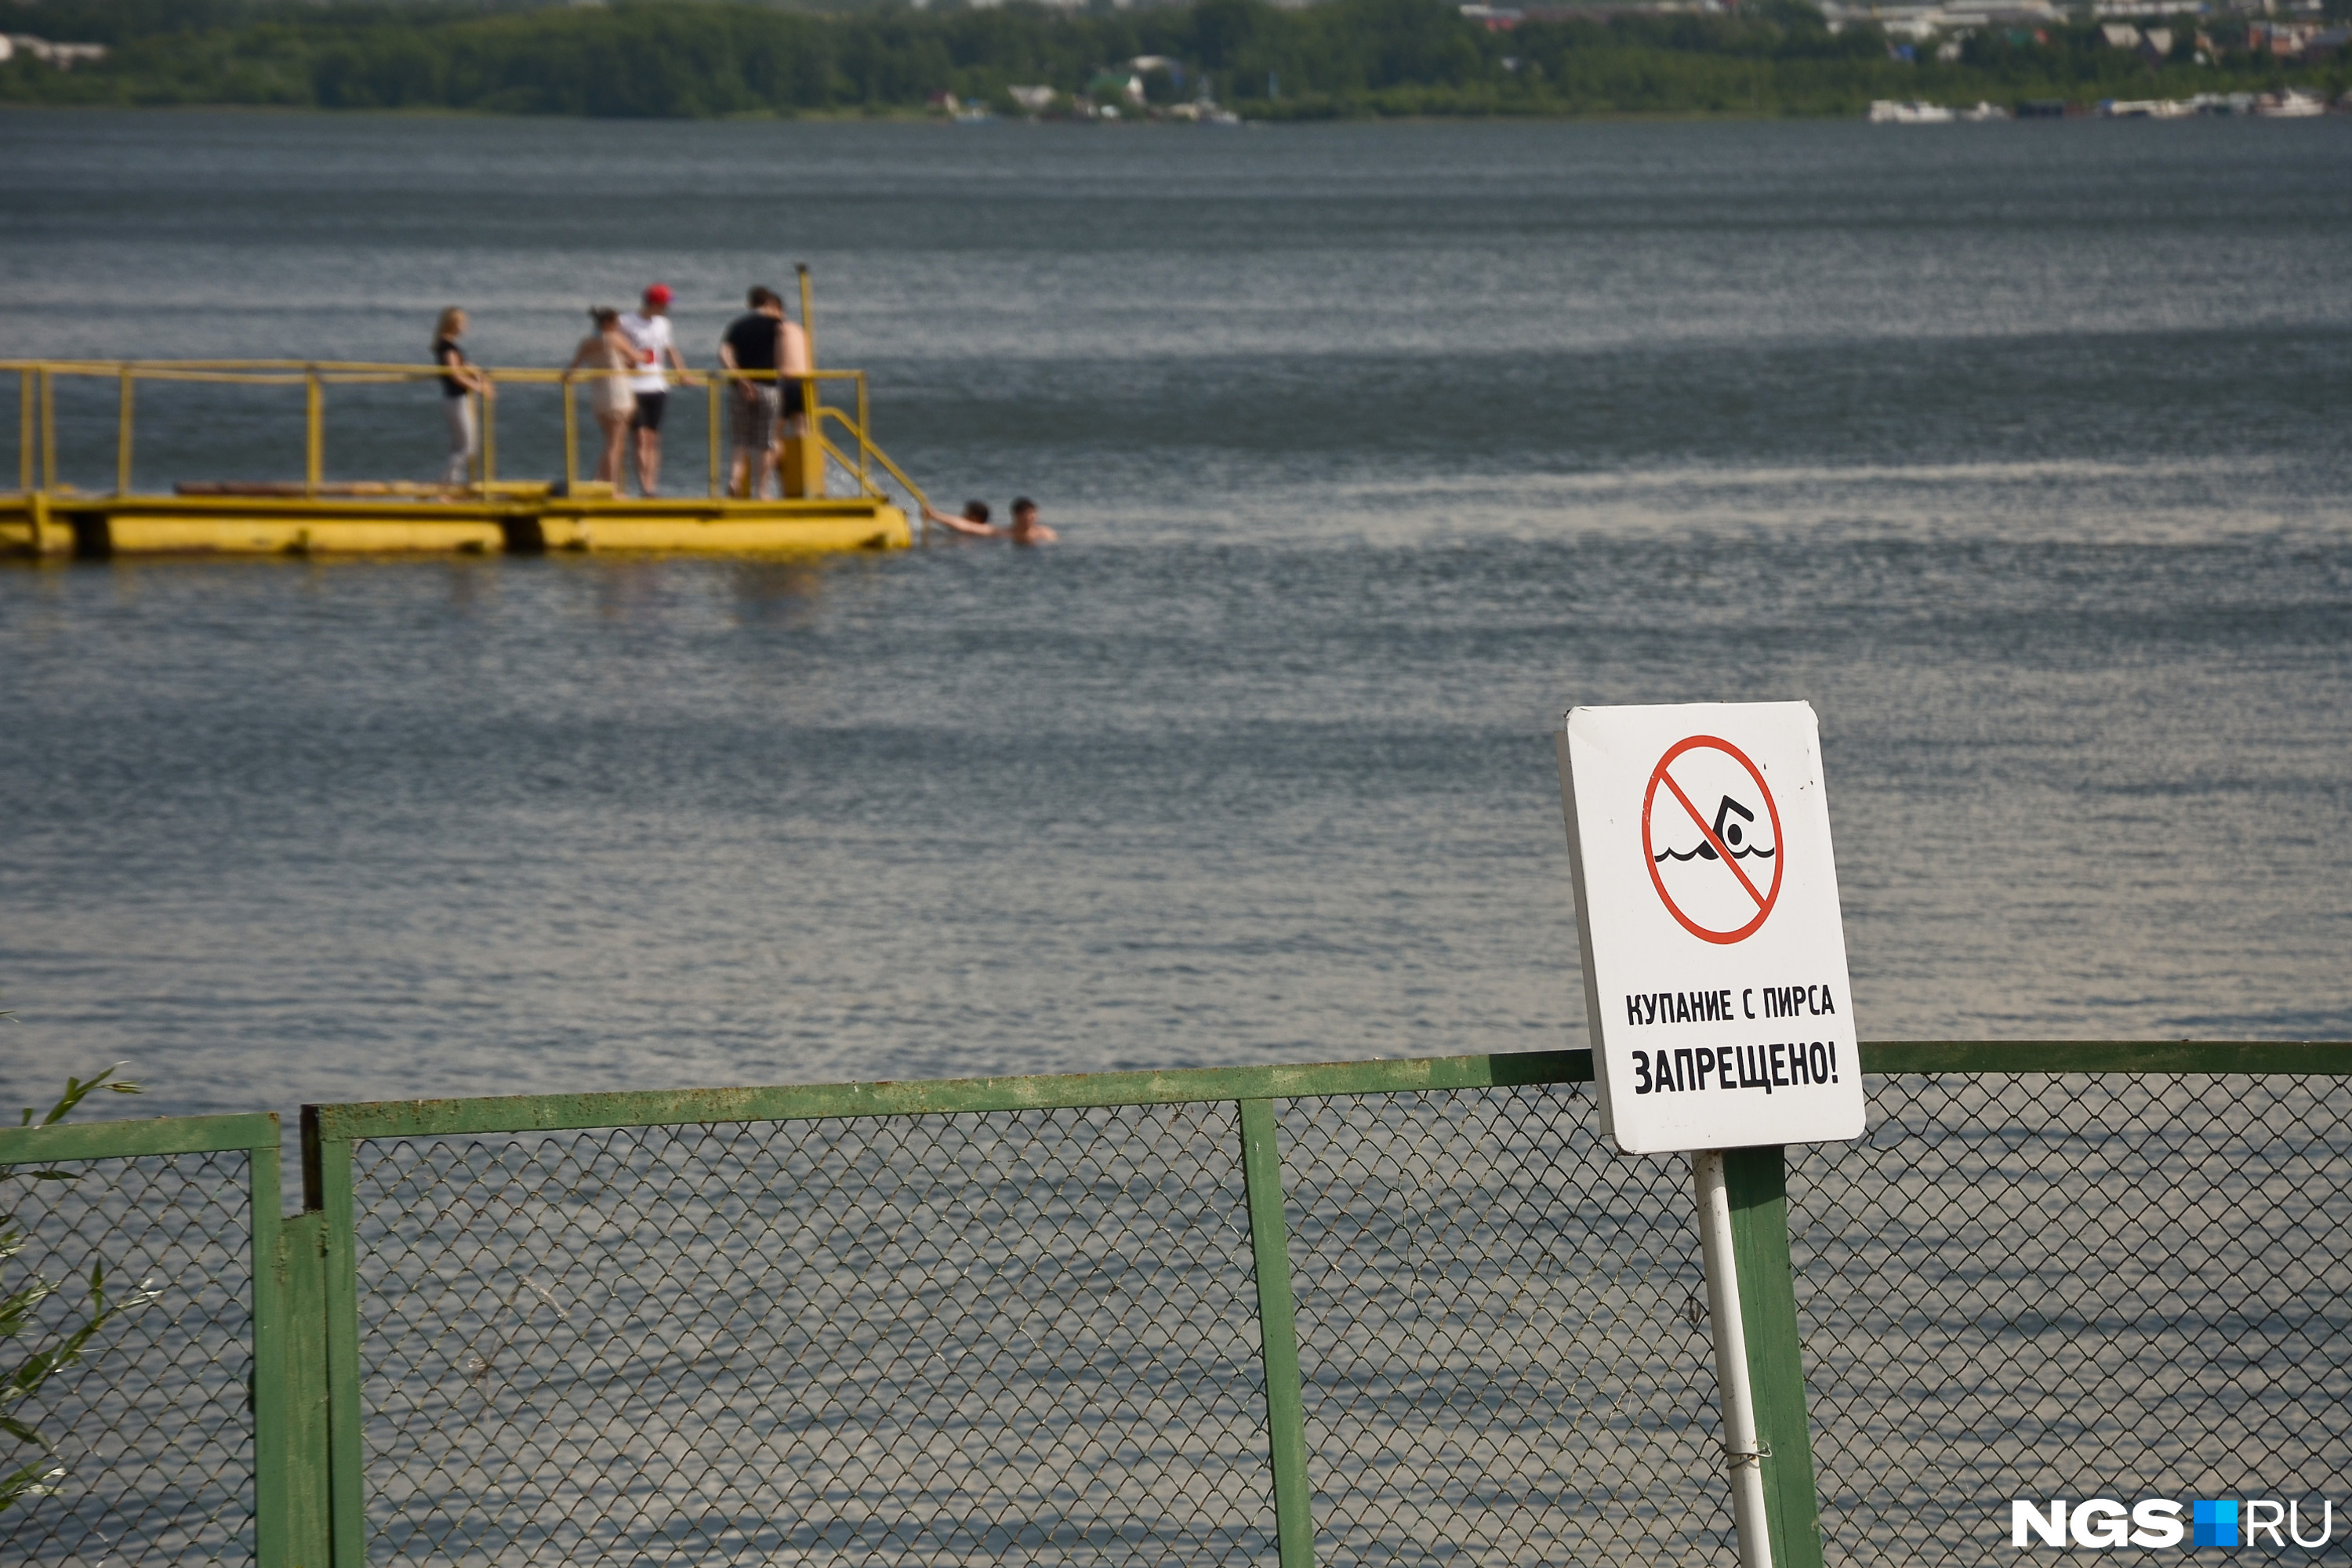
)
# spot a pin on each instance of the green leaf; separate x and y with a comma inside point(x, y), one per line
point(77, 1089)
point(29, 1481)
point(33, 1480)
point(17, 1304)
point(15, 1308)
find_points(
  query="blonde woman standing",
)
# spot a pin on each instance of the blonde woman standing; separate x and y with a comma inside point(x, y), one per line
point(459, 381)
point(608, 352)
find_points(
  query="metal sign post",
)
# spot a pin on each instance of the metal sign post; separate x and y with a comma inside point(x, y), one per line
point(1716, 987)
point(1741, 1446)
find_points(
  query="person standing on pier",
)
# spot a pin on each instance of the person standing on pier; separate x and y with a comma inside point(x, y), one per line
point(459, 381)
point(608, 352)
point(647, 328)
point(794, 359)
point(764, 340)
point(754, 341)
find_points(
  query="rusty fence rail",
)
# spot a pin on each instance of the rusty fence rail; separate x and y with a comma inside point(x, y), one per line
point(1385, 1312)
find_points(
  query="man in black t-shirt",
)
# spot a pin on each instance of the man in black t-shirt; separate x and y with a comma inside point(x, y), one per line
point(754, 341)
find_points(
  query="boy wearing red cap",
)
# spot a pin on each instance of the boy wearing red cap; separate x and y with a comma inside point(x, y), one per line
point(648, 329)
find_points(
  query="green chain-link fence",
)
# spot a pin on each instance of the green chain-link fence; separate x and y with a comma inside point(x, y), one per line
point(2075, 1285)
point(148, 1439)
point(1023, 1321)
point(1026, 1337)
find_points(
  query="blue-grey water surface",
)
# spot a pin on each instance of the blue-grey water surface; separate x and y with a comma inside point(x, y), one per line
point(2017, 451)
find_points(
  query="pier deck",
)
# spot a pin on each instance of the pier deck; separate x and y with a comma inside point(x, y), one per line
point(513, 520)
point(45, 517)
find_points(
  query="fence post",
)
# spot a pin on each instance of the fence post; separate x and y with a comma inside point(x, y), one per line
point(801, 458)
point(122, 427)
point(327, 1188)
point(1743, 1447)
point(490, 423)
point(269, 1325)
point(716, 415)
point(1278, 1328)
point(1757, 1183)
point(292, 1504)
point(48, 430)
point(314, 432)
point(864, 424)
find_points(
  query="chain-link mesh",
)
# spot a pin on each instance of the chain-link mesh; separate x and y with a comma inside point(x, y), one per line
point(152, 1426)
point(1031, 1336)
point(1503, 1335)
point(1025, 1337)
point(2074, 1287)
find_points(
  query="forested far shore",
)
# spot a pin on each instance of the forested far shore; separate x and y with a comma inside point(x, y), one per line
point(700, 59)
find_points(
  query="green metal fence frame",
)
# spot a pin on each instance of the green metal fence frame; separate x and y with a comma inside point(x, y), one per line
point(281, 1481)
point(309, 1464)
point(331, 1132)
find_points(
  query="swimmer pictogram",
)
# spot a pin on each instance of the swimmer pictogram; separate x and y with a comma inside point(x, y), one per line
point(1726, 833)
point(1707, 868)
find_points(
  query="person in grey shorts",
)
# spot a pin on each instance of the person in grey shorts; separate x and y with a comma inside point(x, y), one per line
point(754, 341)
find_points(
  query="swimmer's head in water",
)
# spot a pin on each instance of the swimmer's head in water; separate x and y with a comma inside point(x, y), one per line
point(1025, 511)
point(975, 512)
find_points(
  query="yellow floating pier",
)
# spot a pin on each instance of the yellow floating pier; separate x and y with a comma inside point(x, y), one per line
point(522, 520)
point(46, 520)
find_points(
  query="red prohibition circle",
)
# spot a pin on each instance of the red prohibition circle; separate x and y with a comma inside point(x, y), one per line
point(1764, 902)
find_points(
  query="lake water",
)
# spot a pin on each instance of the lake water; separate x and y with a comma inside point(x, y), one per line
point(2017, 451)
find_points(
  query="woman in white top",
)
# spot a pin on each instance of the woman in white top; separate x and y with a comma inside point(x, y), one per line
point(614, 358)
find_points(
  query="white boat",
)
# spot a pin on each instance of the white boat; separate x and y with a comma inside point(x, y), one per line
point(1983, 112)
point(1887, 111)
point(2292, 104)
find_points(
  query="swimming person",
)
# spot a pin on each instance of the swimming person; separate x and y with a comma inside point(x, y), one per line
point(647, 328)
point(459, 381)
point(608, 352)
point(974, 523)
point(754, 341)
point(1026, 529)
point(974, 511)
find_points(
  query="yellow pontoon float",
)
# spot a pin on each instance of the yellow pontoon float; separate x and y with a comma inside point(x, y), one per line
point(46, 519)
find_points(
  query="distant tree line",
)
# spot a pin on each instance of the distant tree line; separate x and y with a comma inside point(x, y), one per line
point(685, 59)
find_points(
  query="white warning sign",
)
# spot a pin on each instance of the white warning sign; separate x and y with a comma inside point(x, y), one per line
point(1707, 898)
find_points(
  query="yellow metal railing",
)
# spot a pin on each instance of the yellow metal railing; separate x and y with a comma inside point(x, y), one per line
point(37, 422)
